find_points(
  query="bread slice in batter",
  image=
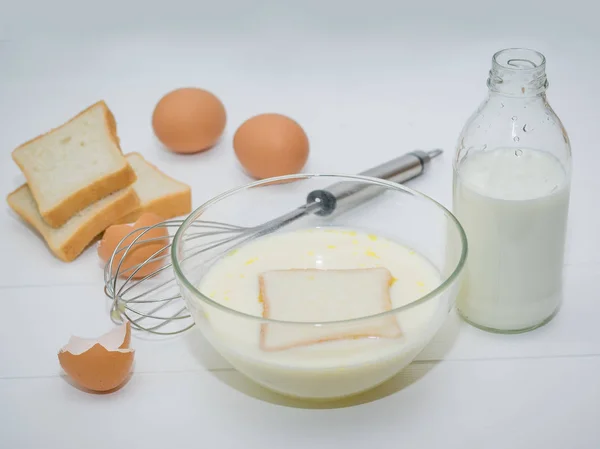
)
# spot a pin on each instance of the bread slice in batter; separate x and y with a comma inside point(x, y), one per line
point(317, 296)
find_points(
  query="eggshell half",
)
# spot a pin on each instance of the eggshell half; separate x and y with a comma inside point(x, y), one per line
point(138, 253)
point(101, 364)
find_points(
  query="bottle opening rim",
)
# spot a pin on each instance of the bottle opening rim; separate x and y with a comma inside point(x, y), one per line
point(519, 59)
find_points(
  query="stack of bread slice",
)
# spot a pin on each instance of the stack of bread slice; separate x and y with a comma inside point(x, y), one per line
point(79, 183)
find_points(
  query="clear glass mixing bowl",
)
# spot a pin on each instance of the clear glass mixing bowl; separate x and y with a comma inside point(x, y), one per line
point(331, 369)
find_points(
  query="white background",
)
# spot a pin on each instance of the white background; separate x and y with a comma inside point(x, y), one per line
point(368, 81)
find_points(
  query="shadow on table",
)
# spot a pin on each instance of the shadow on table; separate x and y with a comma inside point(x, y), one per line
point(442, 343)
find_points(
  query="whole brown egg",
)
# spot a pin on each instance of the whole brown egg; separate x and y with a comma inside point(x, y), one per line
point(189, 120)
point(270, 145)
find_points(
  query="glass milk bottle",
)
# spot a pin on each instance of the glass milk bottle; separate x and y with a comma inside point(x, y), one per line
point(512, 171)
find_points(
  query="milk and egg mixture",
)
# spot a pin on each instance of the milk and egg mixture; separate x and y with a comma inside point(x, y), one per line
point(233, 282)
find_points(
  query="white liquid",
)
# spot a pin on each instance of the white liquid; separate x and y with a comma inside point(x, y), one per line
point(328, 369)
point(513, 205)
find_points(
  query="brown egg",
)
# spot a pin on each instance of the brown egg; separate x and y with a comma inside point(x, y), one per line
point(138, 253)
point(270, 145)
point(101, 364)
point(189, 120)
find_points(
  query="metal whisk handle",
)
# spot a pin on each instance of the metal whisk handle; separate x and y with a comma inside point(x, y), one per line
point(346, 195)
point(403, 168)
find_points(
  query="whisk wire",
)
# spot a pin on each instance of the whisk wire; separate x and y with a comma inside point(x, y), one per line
point(120, 281)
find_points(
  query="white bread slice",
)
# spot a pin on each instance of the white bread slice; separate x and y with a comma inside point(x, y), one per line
point(315, 295)
point(159, 194)
point(69, 241)
point(74, 165)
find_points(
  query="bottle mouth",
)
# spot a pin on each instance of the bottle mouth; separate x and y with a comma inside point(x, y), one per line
point(518, 72)
point(521, 59)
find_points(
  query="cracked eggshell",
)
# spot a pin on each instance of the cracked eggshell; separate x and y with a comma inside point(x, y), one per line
point(147, 246)
point(101, 364)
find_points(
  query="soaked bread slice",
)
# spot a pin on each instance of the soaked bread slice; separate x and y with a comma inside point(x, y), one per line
point(314, 295)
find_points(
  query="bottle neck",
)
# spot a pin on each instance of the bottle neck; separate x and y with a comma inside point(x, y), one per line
point(518, 72)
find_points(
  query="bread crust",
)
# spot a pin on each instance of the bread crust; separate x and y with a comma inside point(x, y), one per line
point(62, 212)
point(167, 206)
point(94, 226)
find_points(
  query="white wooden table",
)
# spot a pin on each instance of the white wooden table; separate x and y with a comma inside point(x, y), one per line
point(365, 91)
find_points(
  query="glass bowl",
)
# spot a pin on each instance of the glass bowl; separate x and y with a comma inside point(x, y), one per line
point(224, 246)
